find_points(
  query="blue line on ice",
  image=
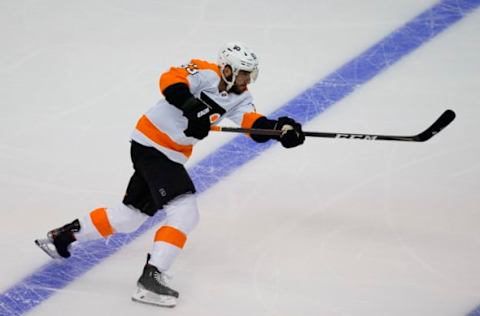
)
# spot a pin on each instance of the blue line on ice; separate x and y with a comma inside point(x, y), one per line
point(44, 282)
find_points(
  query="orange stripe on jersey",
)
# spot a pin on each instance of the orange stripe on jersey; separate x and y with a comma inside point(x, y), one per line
point(171, 236)
point(100, 220)
point(146, 127)
point(180, 74)
point(250, 118)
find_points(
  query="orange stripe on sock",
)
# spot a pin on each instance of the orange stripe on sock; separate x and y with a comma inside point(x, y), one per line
point(171, 235)
point(100, 221)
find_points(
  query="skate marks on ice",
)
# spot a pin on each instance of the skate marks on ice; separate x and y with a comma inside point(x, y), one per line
point(41, 284)
point(417, 245)
point(298, 250)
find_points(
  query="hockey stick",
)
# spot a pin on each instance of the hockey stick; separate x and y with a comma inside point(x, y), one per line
point(446, 118)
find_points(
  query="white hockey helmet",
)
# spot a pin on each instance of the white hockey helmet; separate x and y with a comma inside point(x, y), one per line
point(239, 57)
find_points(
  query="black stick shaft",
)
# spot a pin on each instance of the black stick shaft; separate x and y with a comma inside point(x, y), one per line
point(446, 118)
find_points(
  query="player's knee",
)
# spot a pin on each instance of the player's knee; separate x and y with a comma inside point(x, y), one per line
point(125, 219)
point(183, 213)
point(192, 220)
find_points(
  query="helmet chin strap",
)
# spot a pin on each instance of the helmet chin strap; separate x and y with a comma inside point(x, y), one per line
point(232, 82)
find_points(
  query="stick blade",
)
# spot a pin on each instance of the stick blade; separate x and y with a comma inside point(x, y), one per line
point(443, 121)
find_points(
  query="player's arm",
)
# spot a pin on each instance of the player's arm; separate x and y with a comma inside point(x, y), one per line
point(174, 85)
point(291, 136)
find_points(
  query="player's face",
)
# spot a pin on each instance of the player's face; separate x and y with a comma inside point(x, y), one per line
point(241, 82)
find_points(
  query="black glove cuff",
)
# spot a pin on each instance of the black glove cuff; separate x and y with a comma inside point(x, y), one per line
point(263, 123)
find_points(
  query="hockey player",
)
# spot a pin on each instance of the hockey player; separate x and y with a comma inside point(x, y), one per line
point(196, 96)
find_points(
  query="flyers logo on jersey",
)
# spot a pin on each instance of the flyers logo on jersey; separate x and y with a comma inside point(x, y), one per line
point(214, 117)
point(217, 110)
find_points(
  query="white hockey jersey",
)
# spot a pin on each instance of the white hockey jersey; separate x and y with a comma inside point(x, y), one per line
point(162, 126)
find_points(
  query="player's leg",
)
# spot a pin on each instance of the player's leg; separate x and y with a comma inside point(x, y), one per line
point(172, 190)
point(101, 222)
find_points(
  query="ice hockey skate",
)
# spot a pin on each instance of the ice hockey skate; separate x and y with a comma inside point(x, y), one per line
point(152, 288)
point(58, 241)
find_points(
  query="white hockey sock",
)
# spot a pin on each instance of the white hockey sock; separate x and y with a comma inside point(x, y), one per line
point(103, 222)
point(182, 217)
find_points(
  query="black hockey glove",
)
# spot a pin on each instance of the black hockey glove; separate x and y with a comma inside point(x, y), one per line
point(292, 134)
point(198, 115)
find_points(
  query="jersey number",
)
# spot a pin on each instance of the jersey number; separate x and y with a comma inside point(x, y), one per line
point(191, 68)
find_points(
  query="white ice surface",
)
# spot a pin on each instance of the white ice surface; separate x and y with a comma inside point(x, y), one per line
point(330, 228)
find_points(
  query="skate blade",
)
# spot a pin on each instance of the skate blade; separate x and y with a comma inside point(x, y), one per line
point(47, 246)
point(147, 297)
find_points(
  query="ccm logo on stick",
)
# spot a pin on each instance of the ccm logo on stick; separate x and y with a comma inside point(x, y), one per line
point(354, 136)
